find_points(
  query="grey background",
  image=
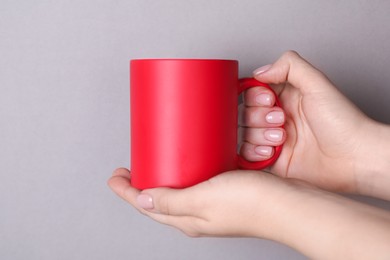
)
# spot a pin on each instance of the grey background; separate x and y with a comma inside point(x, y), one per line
point(64, 107)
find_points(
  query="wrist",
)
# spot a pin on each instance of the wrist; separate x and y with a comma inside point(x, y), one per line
point(372, 168)
point(317, 223)
point(279, 210)
point(321, 224)
point(294, 213)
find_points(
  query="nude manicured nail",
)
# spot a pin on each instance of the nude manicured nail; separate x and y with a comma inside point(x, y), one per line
point(264, 150)
point(262, 69)
point(275, 117)
point(264, 99)
point(145, 201)
point(274, 135)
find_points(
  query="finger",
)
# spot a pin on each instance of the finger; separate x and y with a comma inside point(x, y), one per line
point(174, 202)
point(159, 200)
point(120, 184)
point(265, 136)
point(291, 67)
point(259, 96)
point(123, 172)
point(262, 117)
point(256, 153)
point(241, 114)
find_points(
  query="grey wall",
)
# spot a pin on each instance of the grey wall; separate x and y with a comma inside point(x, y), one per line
point(64, 108)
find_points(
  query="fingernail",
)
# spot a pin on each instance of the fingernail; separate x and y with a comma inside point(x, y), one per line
point(145, 201)
point(274, 135)
point(275, 117)
point(264, 150)
point(264, 99)
point(262, 69)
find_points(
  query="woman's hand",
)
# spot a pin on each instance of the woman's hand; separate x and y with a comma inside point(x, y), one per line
point(330, 142)
point(237, 203)
point(319, 224)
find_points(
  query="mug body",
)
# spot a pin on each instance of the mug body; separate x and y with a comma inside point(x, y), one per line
point(183, 120)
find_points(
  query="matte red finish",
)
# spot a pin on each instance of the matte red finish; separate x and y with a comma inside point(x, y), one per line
point(184, 121)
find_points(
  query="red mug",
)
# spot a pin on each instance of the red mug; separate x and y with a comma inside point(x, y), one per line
point(184, 121)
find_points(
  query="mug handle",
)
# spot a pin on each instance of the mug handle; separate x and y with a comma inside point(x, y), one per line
point(244, 84)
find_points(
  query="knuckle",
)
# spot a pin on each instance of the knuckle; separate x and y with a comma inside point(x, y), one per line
point(162, 204)
point(251, 116)
point(290, 54)
point(246, 150)
point(165, 206)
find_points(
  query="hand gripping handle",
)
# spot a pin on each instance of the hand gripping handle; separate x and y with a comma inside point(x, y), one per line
point(244, 84)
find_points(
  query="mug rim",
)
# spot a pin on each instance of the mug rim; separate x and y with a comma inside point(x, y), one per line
point(182, 59)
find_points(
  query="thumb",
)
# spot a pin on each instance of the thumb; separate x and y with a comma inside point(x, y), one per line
point(168, 201)
point(292, 68)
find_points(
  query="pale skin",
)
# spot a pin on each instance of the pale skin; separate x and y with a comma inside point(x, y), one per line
point(329, 145)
